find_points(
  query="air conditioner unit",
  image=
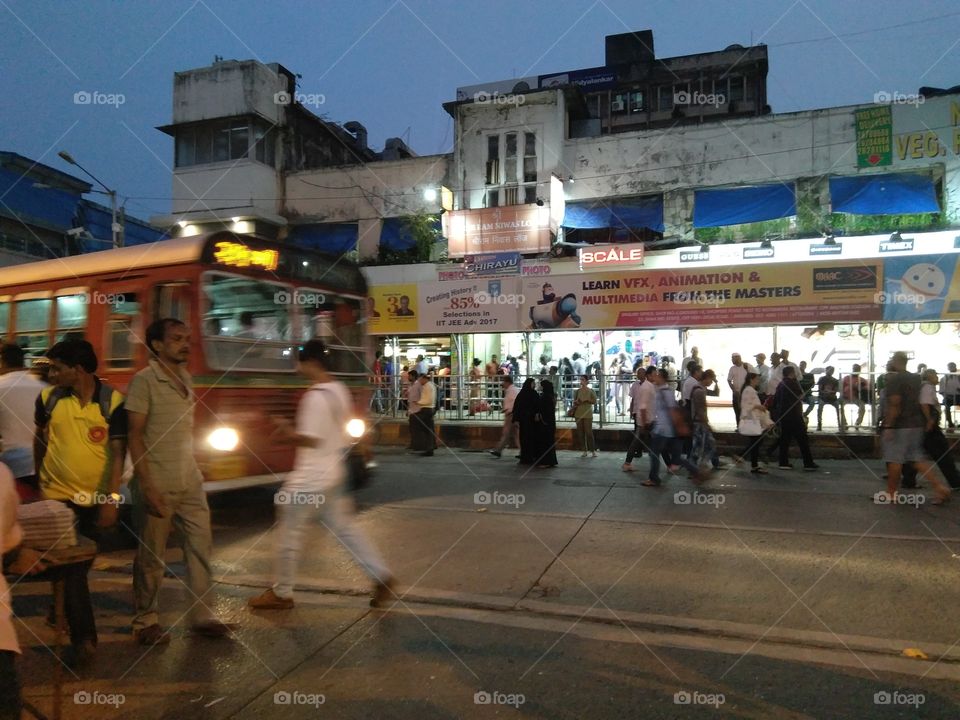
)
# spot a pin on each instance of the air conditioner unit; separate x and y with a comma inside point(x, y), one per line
point(618, 105)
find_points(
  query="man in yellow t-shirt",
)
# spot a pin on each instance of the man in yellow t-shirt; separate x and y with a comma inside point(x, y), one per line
point(79, 449)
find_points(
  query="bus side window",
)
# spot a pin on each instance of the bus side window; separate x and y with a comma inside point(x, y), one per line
point(122, 331)
point(4, 320)
point(172, 300)
point(71, 317)
point(33, 325)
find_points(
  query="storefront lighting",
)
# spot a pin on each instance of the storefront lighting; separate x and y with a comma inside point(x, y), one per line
point(430, 195)
point(895, 236)
point(767, 244)
point(704, 248)
point(829, 239)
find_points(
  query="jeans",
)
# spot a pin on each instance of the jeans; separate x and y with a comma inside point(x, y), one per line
point(189, 514)
point(662, 443)
point(10, 704)
point(703, 446)
point(333, 513)
point(638, 443)
point(835, 404)
point(795, 430)
point(77, 605)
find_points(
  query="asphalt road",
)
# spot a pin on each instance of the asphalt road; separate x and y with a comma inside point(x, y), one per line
point(565, 593)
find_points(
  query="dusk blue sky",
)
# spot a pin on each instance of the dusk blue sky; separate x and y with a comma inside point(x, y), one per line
point(390, 64)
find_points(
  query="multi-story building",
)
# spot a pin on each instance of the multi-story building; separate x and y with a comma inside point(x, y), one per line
point(43, 214)
point(250, 155)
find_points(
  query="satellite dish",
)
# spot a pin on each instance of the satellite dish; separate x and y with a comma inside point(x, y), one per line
point(735, 46)
point(521, 87)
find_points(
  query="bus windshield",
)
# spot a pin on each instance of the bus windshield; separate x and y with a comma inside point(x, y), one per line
point(247, 324)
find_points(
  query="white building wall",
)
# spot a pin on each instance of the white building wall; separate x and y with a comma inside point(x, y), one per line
point(224, 186)
point(676, 161)
point(543, 113)
point(366, 193)
point(225, 89)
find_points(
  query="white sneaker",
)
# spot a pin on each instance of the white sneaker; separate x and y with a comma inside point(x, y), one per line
point(583, 454)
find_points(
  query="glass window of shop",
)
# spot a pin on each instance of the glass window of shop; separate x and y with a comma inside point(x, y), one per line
point(930, 343)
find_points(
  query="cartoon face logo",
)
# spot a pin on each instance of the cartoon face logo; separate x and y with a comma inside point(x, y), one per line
point(97, 434)
point(925, 279)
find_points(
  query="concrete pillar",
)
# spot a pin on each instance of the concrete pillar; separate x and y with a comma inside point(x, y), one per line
point(368, 233)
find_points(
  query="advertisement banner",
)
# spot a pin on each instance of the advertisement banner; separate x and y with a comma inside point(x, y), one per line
point(874, 128)
point(515, 229)
point(492, 265)
point(470, 306)
point(826, 290)
point(708, 297)
point(921, 287)
point(392, 309)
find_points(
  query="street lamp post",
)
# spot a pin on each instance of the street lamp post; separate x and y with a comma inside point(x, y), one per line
point(115, 228)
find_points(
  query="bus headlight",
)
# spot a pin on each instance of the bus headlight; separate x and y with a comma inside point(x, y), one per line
point(224, 439)
point(356, 428)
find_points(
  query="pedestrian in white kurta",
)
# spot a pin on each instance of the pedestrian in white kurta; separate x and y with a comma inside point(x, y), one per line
point(314, 487)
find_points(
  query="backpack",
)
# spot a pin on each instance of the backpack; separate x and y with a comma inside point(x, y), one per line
point(103, 399)
point(358, 474)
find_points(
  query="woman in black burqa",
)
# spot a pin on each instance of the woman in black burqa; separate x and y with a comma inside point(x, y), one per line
point(545, 428)
point(524, 411)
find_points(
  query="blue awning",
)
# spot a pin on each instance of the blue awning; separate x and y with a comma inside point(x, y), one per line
point(395, 233)
point(619, 214)
point(733, 206)
point(332, 238)
point(887, 194)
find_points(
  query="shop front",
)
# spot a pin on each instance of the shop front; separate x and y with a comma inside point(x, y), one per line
point(826, 311)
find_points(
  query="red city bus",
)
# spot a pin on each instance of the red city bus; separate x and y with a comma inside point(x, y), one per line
point(249, 304)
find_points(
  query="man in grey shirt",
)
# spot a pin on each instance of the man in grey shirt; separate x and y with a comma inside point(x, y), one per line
point(168, 486)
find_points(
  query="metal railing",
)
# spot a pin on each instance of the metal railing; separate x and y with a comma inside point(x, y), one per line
point(461, 397)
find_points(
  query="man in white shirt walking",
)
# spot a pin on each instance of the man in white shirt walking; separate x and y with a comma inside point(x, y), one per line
point(19, 389)
point(413, 407)
point(509, 435)
point(642, 398)
point(315, 485)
